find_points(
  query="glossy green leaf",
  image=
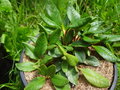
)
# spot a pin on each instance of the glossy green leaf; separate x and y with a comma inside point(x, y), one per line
point(95, 79)
point(90, 40)
point(71, 59)
point(96, 28)
point(72, 76)
point(43, 70)
point(82, 22)
point(68, 48)
point(79, 44)
point(26, 66)
point(51, 70)
point(55, 53)
point(50, 47)
point(46, 59)
point(91, 60)
point(111, 38)
point(41, 45)
point(33, 39)
point(80, 55)
point(55, 36)
point(58, 66)
point(105, 53)
point(62, 50)
point(62, 6)
point(66, 87)
point(73, 15)
point(53, 12)
point(5, 5)
point(64, 66)
point(29, 51)
point(49, 21)
point(59, 80)
point(36, 84)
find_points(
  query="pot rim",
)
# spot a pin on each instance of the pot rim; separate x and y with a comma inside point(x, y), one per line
point(112, 86)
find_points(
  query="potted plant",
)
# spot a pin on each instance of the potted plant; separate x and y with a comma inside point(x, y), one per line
point(68, 48)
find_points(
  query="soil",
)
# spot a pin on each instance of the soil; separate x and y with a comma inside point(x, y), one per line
point(105, 69)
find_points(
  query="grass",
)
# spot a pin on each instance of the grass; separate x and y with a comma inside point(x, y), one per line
point(24, 19)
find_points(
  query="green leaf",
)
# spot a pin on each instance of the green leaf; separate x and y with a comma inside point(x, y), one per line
point(79, 44)
point(96, 28)
point(5, 5)
point(49, 21)
point(43, 70)
point(66, 87)
point(44, 29)
point(73, 15)
point(72, 76)
point(50, 47)
point(46, 59)
point(91, 60)
point(80, 55)
point(64, 66)
point(68, 48)
point(95, 79)
point(26, 66)
point(82, 22)
point(3, 37)
point(90, 40)
point(55, 53)
point(33, 39)
point(41, 45)
point(53, 12)
point(105, 53)
point(117, 44)
point(59, 80)
point(36, 84)
point(62, 6)
point(54, 37)
point(62, 50)
point(109, 47)
point(71, 59)
point(111, 38)
point(51, 70)
point(29, 51)
point(58, 66)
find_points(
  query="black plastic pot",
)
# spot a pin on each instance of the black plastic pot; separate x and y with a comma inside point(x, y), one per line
point(5, 65)
point(112, 87)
